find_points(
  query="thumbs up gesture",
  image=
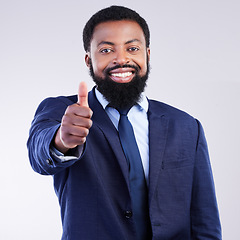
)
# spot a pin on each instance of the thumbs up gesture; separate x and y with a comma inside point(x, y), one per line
point(76, 123)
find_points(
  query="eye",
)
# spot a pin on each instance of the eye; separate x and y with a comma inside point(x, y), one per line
point(133, 49)
point(106, 50)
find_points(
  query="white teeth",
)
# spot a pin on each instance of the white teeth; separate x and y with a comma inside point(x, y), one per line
point(122, 75)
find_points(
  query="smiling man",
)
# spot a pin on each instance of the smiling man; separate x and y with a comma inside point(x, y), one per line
point(124, 166)
point(118, 54)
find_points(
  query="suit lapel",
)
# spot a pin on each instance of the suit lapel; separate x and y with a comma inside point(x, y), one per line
point(104, 124)
point(158, 129)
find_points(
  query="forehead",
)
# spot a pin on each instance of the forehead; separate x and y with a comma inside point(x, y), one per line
point(118, 32)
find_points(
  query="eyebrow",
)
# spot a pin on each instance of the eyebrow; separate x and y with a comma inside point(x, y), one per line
point(112, 44)
point(133, 40)
point(106, 42)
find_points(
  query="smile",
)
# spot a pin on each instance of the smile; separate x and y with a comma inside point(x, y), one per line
point(122, 75)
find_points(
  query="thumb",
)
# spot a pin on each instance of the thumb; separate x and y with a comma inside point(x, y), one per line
point(83, 94)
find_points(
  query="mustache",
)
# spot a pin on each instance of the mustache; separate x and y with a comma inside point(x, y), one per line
point(108, 70)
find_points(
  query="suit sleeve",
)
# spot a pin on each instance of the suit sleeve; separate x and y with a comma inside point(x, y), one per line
point(46, 122)
point(204, 210)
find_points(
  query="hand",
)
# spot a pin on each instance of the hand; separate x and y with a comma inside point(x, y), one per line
point(76, 123)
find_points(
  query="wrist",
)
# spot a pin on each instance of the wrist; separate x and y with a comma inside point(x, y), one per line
point(58, 144)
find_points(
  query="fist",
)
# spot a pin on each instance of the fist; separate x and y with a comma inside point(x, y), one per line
point(76, 123)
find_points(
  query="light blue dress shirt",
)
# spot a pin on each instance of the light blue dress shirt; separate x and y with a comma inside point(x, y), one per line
point(137, 115)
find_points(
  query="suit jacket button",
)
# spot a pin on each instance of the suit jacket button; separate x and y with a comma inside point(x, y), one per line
point(49, 162)
point(128, 214)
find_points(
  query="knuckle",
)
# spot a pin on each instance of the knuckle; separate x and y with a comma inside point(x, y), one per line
point(90, 123)
point(86, 131)
point(87, 112)
point(83, 132)
point(90, 113)
point(68, 109)
point(65, 119)
point(64, 128)
point(82, 140)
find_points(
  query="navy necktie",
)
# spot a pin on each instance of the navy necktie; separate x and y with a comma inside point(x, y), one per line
point(138, 188)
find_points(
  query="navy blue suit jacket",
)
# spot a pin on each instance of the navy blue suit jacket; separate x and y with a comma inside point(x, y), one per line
point(93, 191)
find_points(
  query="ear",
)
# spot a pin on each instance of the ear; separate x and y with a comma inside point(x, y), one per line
point(87, 59)
point(148, 54)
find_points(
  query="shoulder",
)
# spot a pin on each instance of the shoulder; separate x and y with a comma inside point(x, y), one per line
point(160, 109)
point(58, 101)
point(177, 120)
point(62, 100)
point(54, 106)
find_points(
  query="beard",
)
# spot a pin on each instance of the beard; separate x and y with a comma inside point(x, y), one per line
point(121, 95)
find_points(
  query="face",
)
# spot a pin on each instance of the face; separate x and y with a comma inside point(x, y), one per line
point(118, 60)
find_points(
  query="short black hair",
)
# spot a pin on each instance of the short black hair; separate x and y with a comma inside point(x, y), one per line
point(113, 13)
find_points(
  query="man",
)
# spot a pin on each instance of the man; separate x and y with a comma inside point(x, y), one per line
point(80, 141)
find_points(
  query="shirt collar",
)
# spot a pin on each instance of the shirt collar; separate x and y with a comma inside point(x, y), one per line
point(142, 103)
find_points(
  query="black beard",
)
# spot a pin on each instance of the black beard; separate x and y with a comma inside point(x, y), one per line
point(121, 95)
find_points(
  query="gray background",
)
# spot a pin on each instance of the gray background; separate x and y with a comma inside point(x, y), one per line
point(195, 67)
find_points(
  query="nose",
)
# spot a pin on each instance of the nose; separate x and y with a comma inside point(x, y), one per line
point(121, 57)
